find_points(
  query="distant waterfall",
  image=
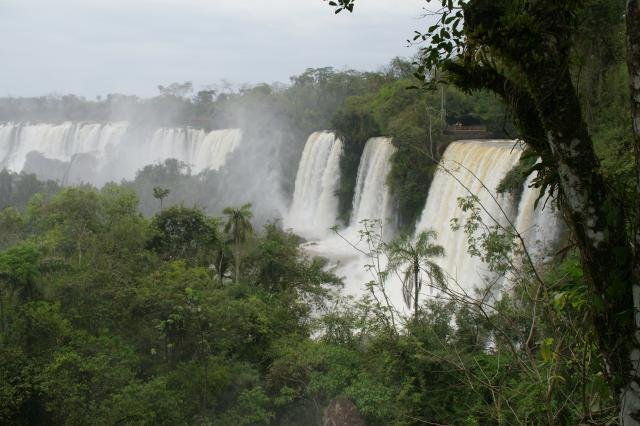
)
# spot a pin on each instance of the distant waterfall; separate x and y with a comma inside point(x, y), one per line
point(315, 206)
point(487, 163)
point(372, 199)
point(56, 142)
point(199, 149)
point(96, 153)
point(539, 226)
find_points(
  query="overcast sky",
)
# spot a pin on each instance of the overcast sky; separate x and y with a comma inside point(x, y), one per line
point(95, 47)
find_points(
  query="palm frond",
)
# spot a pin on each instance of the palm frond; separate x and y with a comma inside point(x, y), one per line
point(408, 286)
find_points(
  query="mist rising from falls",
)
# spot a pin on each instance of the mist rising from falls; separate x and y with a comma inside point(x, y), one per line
point(487, 163)
point(94, 153)
point(314, 208)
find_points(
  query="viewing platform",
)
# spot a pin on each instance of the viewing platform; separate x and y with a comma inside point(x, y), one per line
point(462, 131)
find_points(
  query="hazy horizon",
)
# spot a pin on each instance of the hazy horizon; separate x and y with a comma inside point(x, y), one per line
point(97, 47)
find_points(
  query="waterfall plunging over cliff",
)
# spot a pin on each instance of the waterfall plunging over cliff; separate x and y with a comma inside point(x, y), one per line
point(372, 199)
point(96, 153)
point(201, 150)
point(314, 208)
point(56, 142)
point(540, 226)
point(468, 168)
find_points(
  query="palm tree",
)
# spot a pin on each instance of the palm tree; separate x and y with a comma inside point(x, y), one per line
point(238, 228)
point(160, 193)
point(411, 259)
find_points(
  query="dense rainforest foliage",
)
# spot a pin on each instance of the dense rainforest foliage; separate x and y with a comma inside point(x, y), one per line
point(111, 318)
point(16, 189)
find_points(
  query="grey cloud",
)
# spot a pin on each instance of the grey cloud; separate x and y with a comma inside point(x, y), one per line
point(97, 47)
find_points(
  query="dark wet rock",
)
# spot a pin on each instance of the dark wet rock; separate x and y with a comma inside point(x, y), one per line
point(341, 411)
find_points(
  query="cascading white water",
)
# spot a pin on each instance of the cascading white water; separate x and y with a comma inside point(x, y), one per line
point(540, 226)
point(468, 168)
point(97, 153)
point(372, 199)
point(314, 208)
point(56, 142)
point(199, 149)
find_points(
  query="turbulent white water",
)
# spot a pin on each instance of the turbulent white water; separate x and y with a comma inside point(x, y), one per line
point(468, 168)
point(372, 199)
point(96, 153)
point(539, 226)
point(314, 208)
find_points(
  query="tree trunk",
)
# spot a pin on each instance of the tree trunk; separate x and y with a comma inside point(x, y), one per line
point(630, 401)
point(595, 217)
point(3, 326)
point(417, 286)
point(220, 270)
point(237, 263)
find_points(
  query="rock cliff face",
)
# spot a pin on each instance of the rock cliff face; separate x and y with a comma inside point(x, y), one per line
point(342, 412)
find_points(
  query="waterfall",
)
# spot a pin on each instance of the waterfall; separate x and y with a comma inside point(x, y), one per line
point(464, 168)
point(372, 198)
point(314, 207)
point(96, 153)
point(199, 149)
point(540, 226)
point(56, 142)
